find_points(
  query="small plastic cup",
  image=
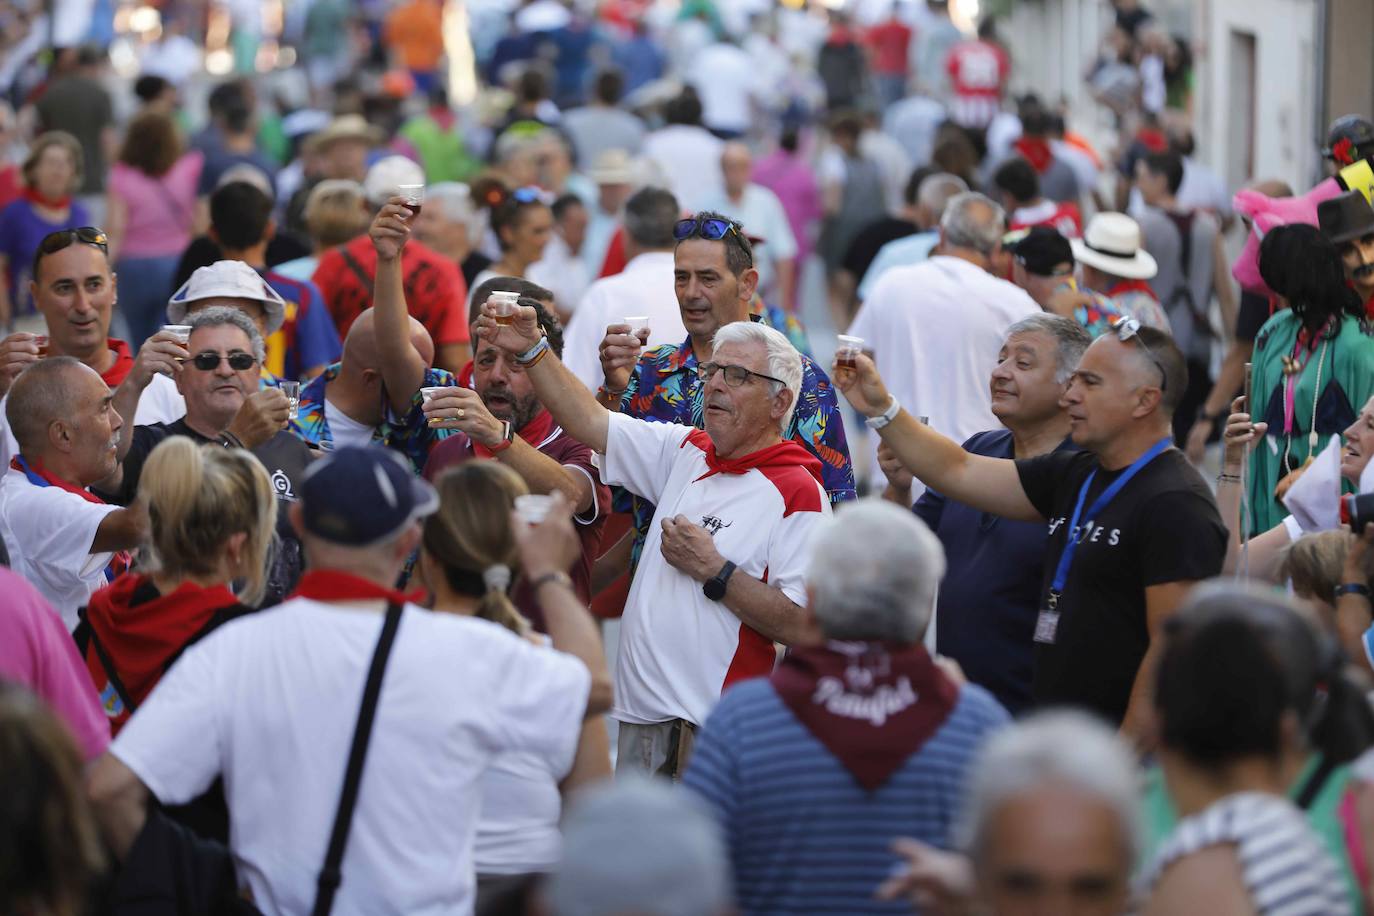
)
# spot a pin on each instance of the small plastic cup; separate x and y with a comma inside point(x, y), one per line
point(427, 394)
point(41, 342)
point(415, 197)
point(504, 303)
point(848, 351)
point(292, 390)
point(639, 327)
point(182, 332)
point(533, 507)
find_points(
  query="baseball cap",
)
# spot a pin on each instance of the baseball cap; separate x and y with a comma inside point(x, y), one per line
point(1041, 250)
point(362, 495)
point(228, 280)
point(387, 175)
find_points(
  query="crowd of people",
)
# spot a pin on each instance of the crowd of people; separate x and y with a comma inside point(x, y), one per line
point(411, 506)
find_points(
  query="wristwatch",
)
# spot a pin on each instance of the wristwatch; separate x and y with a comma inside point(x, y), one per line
point(1352, 588)
point(714, 588)
point(507, 437)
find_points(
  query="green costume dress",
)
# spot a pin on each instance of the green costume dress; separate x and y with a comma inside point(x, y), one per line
point(1341, 363)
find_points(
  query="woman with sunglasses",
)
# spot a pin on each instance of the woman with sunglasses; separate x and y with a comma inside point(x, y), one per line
point(52, 173)
point(523, 224)
point(1313, 365)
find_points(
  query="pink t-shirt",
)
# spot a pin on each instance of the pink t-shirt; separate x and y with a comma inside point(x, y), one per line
point(37, 651)
point(161, 210)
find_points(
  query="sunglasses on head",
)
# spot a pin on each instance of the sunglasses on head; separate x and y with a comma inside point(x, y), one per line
point(209, 361)
point(713, 230)
point(528, 195)
point(54, 242)
point(1129, 329)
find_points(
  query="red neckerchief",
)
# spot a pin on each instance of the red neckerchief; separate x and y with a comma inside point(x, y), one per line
point(465, 375)
point(1132, 286)
point(1156, 141)
point(333, 585)
point(39, 476)
point(787, 453)
point(533, 432)
point(871, 704)
point(1037, 152)
point(33, 196)
point(124, 361)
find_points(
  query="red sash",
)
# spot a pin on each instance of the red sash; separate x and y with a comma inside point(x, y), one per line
point(333, 585)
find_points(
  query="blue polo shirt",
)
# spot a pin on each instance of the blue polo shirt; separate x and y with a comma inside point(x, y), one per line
point(990, 595)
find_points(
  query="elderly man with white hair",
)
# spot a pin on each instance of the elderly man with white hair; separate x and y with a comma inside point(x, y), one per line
point(720, 579)
point(858, 738)
point(1052, 823)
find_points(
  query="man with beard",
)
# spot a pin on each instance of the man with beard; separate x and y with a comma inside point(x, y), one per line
point(500, 417)
point(1348, 221)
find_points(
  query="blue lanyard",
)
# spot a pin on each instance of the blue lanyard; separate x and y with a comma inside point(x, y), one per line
point(1061, 572)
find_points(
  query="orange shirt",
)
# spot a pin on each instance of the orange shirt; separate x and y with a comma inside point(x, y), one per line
point(415, 32)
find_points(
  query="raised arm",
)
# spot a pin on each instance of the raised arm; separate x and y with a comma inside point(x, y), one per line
point(403, 368)
point(987, 484)
point(572, 405)
point(1265, 546)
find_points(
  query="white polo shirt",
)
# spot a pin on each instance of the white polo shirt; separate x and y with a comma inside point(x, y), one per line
point(678, 648)
point(643, 288)
point(270, 701)
point(48, 532)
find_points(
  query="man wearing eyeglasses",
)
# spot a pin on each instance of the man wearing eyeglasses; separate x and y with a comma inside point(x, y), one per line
point(221, 374)
point(721, 577)
point(75, 291)
point(1132, 526)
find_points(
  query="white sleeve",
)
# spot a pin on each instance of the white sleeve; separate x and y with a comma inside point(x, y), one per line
point(8, 446)
point(541, 700)
point(581, 338)
point(782, 242)
point(174, 741)
point(55, 530)
point(160, 403)
point(640, 455)
point(1291, 525)
point(789, 551)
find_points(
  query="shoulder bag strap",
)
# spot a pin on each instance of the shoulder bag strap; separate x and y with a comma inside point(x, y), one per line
point(1312, 788)
point(330, 875)
point(358, 271)
point(108, 664)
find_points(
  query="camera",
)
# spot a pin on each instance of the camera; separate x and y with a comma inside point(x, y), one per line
point(1357, 510)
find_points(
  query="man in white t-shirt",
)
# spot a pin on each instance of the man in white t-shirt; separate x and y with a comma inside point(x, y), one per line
point(721, 575)
point(60, 536)
point(686, 153)
point(271, 702)
point(760, 212)
point(644, 289)
point(75, 291)
point(935, 328)
point(725, 79)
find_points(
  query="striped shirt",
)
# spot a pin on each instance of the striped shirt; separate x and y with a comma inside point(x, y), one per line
point(804, 836)
point(1283, 863)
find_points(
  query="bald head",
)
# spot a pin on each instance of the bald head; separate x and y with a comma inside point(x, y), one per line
point(360, 346)
point(56, 388)
point(736, 164)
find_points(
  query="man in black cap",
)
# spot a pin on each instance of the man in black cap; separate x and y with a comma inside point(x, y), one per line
point(1043, 265)
point(273, 701)
point(1348, 221)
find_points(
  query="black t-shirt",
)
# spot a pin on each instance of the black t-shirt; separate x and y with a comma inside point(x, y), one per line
point(1162, 527)
point(1254, 311)
point(870, 241)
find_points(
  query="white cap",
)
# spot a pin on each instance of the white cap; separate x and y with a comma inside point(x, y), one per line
point(387, 175)
point(228, 280)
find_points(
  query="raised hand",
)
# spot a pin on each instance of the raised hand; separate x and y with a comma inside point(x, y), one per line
point(862, 386)
point(162, 353)
point(1240, 432)
point(17, 353)
point(619, 352)
point(517, 337)
point(262, 415)
point(550, 546)
point(462, 409)
point(389, 230)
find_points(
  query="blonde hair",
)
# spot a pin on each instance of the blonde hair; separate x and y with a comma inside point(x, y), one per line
point(471, 537)
point(45, 142)
point(334, 212)
point(1315, 562)
point(198, 497)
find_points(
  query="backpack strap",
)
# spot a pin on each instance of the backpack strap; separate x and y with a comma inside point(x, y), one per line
point(330, 875)
point(106, 663)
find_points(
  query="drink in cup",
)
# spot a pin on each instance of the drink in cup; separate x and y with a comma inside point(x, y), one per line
point(292, 390)
point(848, 351)
point(639, 327)
point(41, 342)
point(427, 394)
point(533, 507)
point(182, 332)
point(504, 303)
point(415, 198)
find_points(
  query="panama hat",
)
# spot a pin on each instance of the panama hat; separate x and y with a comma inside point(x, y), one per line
point(1112, 245)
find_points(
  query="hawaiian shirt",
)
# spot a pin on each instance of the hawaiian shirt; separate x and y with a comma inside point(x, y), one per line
point(664, 388)
point(410, 435)
point(1098, 315)
point(779, 319)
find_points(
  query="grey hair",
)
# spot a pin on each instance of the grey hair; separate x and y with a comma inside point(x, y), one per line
point(874, 571)
point(936, 191)
point(1070, 339)
point(454, 200)
point(964, 226)
point(1063, 748)
point(219, 315)
point(41, 394)
point(511, 143)
point(784, 362)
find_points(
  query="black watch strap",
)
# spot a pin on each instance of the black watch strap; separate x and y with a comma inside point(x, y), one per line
point(1352, 588)
point(714, 588)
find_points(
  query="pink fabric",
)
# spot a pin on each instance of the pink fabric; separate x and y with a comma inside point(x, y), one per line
point(161, 210)
point(1349, 816)
point(1265, 213)
point(788, 176)
point(37, 651)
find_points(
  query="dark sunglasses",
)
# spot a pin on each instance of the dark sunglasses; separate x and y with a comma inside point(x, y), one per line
point(54, 242)
point(238, 361)
point(1129, 329)
point(734, 375)
point(713, 230)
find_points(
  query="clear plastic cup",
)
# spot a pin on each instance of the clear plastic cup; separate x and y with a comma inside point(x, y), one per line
point(182, 332)
point(533, 507)
point(848, 351)
point(504, 304)
point(427, 394)
point(292, 390)
point(639, 327)
point(415, 198)
point(41, 342)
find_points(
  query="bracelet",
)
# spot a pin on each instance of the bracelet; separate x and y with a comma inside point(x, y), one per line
point(561, 578)
point(886, 417)
point(533, 354)
point(1353, 588)
point(229, 440)
point(1224, 477)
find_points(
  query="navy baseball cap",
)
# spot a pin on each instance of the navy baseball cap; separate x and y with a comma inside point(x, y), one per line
point(358, 496)
point(1041, 250)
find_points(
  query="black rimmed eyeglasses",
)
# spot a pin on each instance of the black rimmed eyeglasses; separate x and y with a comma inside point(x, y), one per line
point(734, 375)
point(1129, 329)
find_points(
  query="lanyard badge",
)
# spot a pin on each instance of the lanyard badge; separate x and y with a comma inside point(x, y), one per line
point(1047, 623)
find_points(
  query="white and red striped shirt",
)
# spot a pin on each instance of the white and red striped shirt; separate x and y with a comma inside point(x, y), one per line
point(978, 72)
point(678, 648)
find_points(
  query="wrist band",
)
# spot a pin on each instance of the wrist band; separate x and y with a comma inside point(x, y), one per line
point(534, 353)
point(561, 578)
point(1353, 588)
point(886, 417)
point(1223, 477)
point(229, 440)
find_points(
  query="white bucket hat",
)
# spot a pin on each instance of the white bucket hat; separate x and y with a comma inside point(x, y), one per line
point(1112, 245)
point(228, 280)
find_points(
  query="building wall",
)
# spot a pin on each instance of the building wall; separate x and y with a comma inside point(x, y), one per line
point(1349, 63)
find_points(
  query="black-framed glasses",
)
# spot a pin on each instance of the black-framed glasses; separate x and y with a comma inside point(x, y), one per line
point(54, 242)
point(1129, 329)
point(734, 375)
point(209, 361)
point(709, 228)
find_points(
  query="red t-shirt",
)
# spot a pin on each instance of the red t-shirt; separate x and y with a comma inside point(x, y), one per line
point(889, 41)
point(1063, 217)
point(568, 452)
point(436, 294)
point(977, 69)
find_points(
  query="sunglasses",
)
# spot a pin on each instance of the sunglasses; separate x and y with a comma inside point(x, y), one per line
point(528, 195)
point(734, 375)
point(713, 230)
point(1129, 329)
point(54, 242)
point(238, 361)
